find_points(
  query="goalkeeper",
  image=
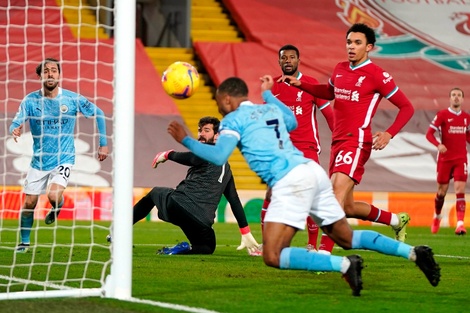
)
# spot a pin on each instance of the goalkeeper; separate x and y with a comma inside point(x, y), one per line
point(193, 203)
point(52, 112)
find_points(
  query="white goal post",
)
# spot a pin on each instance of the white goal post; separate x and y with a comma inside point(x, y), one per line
point(71, 257)
point(119, 283)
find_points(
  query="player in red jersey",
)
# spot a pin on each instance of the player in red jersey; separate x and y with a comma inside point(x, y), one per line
point(453, 126)
point(357, 86)
point(304, 106)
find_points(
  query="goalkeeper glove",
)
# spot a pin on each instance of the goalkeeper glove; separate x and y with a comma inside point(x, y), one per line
point(161, 157)
point(248, 242)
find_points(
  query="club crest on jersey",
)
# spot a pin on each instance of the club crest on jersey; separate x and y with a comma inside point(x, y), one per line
point(388, 77)
point(299, 96)
point(64, 108)
point(359, 81)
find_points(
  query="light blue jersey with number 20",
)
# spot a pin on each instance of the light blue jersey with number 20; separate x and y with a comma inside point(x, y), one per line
point(52, 124)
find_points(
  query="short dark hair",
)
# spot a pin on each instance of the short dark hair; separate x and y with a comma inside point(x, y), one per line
point(233, 86)
point(289, 47)
point(41, 65)
point(457, 88)
point(363, 28)
point(209, 120)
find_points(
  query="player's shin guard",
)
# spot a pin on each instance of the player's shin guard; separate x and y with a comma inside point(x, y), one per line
point(312, 229)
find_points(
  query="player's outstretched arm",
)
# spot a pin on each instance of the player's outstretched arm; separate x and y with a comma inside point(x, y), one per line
point(161, 157)
point(322, 91)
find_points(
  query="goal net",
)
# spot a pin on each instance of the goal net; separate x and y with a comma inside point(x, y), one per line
point(94, 44)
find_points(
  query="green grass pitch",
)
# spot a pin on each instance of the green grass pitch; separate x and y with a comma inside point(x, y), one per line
point(231, 281)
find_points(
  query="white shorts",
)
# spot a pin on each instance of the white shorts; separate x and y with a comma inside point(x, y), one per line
point(37, 181)
point(305, 190)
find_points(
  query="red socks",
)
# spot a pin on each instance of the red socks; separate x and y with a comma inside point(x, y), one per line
point(379, 216)
point(326, 243)
point(460, 206)
point(312, 229)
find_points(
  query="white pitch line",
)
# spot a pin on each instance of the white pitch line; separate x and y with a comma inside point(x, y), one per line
point(452, 256)
point(172, 306)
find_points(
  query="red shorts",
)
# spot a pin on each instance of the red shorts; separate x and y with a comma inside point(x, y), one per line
point(309, 151)
point(349, 157)
point(456, 169)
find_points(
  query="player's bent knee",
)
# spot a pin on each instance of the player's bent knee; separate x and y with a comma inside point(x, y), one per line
point(349, 211)
point(270, 259)
point(29, 206)
point(345, 245)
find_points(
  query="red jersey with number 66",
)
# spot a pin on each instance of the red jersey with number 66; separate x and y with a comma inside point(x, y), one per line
point(358, 91)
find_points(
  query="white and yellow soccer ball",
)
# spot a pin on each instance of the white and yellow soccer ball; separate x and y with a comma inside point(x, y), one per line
point(180, 80)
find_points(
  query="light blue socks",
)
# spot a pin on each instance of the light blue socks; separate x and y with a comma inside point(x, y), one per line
point(302, 259)
point(26, 225)
point(371, 240)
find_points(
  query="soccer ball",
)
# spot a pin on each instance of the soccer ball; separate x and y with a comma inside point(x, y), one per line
point(180, 80)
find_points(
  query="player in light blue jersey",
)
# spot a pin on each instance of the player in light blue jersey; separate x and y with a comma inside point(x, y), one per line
point(300, 187)
point(52, 113)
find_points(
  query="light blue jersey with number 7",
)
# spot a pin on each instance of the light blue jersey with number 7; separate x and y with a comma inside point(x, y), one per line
point(261, 132)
